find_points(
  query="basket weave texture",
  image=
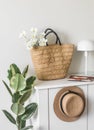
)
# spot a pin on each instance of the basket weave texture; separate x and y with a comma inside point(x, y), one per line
point(53, 61)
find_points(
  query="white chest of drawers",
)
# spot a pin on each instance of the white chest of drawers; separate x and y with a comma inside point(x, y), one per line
point(46, 119)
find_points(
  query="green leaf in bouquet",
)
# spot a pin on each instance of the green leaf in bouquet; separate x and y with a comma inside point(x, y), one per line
point(29, 111)
point(30, 81)
point(24, 73)
point(7, 87)
point(18, 82)
point(18, 109)
point(9, 116)
point(25, 96)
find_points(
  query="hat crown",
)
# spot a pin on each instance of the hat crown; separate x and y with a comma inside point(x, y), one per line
point(72, 104)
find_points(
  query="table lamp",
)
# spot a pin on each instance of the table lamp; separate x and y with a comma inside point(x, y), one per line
point(85, 45)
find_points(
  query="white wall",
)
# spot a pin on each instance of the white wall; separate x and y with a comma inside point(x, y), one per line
point(72, 19)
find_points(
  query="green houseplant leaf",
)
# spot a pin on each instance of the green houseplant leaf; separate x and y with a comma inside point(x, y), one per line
point(30, 81)
point(9, 74)
point(29, 111)
point(9, 116)
point(22, 123)
point(7, 88)
point(18, 109)
point(24, 73)
point(25, 96)
point(28, 127)
point(18, 82)
point(16, 96)
point(13, 70)
point(24, 91)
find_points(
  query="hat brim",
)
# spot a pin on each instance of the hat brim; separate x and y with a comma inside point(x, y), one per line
point(56, 104)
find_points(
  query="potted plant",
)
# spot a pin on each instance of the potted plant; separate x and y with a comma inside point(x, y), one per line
point(20, 89)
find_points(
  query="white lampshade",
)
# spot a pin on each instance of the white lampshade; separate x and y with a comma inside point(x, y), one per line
point(85, 45)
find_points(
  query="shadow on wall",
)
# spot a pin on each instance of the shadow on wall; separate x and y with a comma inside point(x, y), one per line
point(65, 38)
point(77, 64)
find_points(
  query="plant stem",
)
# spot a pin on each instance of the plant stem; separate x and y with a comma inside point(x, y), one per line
point(18, 123)
point(18, 127)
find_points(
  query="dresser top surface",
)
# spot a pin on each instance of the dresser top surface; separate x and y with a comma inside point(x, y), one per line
point(58, 83)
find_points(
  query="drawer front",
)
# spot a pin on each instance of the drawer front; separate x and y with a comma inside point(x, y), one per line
point(90, 107)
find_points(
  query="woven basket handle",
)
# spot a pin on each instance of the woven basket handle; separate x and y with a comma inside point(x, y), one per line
point(48, 31)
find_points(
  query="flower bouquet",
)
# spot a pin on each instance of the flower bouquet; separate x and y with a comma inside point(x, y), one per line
point(34, 39)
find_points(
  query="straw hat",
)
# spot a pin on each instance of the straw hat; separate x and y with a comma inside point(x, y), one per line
point(69, 103)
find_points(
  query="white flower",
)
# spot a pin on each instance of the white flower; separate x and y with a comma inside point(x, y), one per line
point(34, 39)
point(34, 32)
point(22, 34)
point(31, 43)
point(29, 46)
point(42, 42)
point(42, 35)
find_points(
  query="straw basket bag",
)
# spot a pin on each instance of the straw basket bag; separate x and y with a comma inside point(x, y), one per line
point(52, 61)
